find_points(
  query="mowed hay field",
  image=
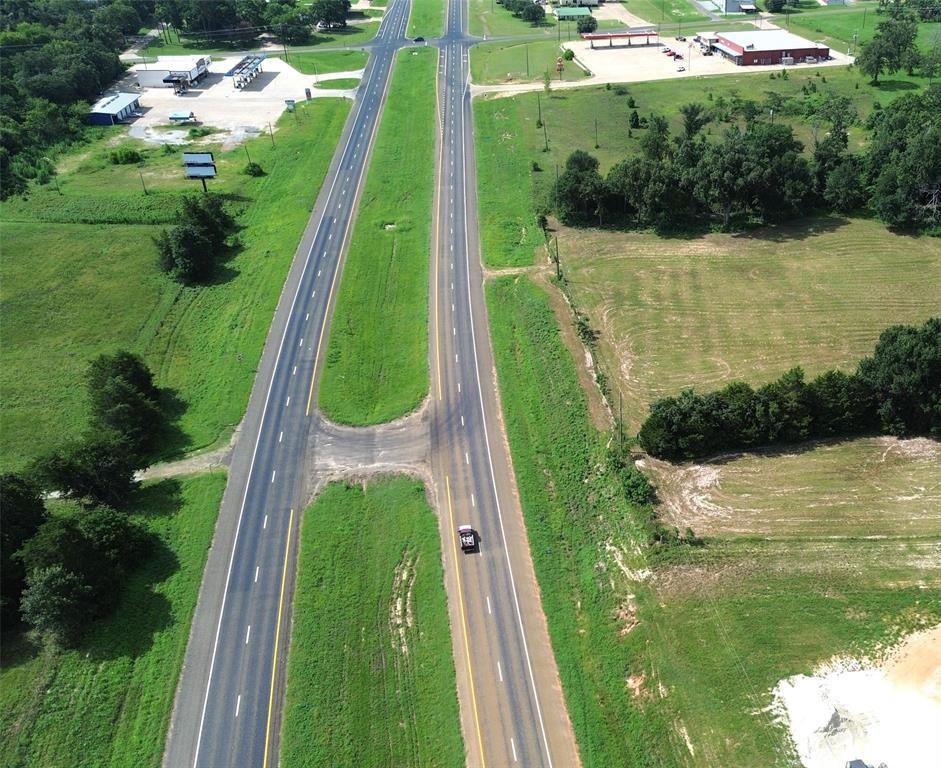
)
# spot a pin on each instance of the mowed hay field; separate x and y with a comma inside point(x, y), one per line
point(700, 312)
point(873, 486)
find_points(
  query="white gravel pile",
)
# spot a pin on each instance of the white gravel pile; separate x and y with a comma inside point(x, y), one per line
point(850, 714)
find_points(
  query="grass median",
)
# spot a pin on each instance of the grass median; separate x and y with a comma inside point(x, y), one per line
point(108, 702)
point(370, 673)
point(426, 18)
point(84, 280)
point(376, 366)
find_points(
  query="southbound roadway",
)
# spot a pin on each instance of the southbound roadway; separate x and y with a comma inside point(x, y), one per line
point(228, 702)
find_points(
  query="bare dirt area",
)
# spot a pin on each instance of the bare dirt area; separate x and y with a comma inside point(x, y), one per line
point(216, 103)
point(879, 486)
point(860, 713)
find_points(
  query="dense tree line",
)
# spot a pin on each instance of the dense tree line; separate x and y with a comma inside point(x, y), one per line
point(55, 57)
point(240, 21)
point(758, 171)
point(190, 251)
point(897, 390)
point(526, 10)
point(60, 571)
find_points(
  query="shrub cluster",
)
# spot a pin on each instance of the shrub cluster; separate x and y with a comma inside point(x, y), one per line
point(190, 250)
point(126, 156)
point(897, 390)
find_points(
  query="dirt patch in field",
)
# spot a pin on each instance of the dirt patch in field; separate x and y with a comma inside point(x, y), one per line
point(864, 713)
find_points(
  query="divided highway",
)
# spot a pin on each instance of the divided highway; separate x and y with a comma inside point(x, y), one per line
point(512, 707)
point(228, 702)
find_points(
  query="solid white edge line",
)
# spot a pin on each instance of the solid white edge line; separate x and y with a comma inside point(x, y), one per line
point(493, 479)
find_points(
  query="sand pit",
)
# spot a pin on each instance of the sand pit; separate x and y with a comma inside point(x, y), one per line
point(868, 715)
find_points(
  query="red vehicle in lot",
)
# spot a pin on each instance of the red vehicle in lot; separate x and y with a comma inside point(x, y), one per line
point(668, 52)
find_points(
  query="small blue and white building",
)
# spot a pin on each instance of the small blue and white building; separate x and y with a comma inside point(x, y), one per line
point(114, 108)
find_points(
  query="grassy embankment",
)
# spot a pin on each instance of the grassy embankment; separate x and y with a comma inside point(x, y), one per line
point(370, 674)
point(489, 19)
point(376, 364)
point(340, 84)
point(426, 18)
point(313, 63)
point(108, 702)
point(84, 280)
point(509, 141)
point(675, 666)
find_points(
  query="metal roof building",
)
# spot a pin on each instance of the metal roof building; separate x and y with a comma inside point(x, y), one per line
point(571, 13)
point(772, 46)
point(113, 109)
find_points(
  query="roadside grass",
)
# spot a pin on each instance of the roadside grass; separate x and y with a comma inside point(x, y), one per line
point(509, 142)
point(84, 280)
point(506, 62)
point(509, 234)
point(376, 366)
point(490, 19)
point(370, 672)
point(672, 661)
point(666, 11)
point(580, 528)
point(108, 702)
point(426, 18)
point(311, 63)
point(701, 311)
point(341, 84)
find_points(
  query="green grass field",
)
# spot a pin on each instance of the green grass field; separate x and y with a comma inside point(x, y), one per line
point(836, 25)
point(672, 663)
point(311, 63)
point(370, 672)
point(506, 62)
point(487, 18)
point(426, 18)
point(508, 141)
point(108, 702)
point(702, 311)
point(666, 11)
point(84, 280)
point(376, 365)
point(353, 34)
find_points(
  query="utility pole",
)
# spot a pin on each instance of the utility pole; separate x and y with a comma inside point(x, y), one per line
point(284, 45)
point(245, 146)
point(539, 108)
point(558, 265)
point(545, 133)
point(596, 133)
point(140, 173)
point(271, 134)
point(527, 61)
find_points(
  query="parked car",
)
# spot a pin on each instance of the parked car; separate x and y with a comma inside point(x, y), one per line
point(419, 39)
point(681, 39)
point(681, 69)
point(677, 55)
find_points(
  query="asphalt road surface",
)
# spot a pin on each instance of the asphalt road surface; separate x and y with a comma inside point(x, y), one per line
point(229, 699)
point(512, 707)
point(228, 703)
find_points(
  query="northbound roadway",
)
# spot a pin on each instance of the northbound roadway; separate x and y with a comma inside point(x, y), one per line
point(512, 707)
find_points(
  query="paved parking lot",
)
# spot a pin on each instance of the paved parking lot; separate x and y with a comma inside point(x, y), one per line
point(218, 104)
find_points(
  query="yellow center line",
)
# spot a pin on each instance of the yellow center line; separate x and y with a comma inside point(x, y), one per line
point(460, 600)
point(277, 638)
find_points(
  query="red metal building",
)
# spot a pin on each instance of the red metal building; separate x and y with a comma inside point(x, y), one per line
point(773, 46)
